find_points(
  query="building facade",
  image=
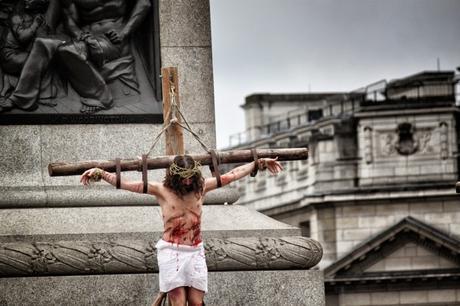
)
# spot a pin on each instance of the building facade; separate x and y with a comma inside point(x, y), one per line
point(378, 189)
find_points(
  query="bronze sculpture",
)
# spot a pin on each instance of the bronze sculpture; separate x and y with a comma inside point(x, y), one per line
point(99, 50)
point(25, 54)
point(91, 50)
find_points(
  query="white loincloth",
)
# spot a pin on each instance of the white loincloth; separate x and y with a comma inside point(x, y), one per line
point(181, 266)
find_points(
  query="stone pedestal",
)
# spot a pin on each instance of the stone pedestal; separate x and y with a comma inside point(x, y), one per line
point(63, 244)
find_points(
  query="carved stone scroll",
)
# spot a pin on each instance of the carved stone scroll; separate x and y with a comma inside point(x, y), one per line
point(443, 140)
point(368, 145)
point(262, 253)
point(112, 257)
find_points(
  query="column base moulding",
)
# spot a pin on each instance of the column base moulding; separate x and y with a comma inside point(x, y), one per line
point(139, 256)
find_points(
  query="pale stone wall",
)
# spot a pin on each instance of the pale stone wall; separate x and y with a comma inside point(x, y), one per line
point(265, 112)
point(444, 297)
point(254, 119)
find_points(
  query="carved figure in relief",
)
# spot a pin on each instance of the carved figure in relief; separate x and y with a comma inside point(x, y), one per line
point(26, 51)
point(388, 144)
point(180, 252)
point(425, 142)
point(99, 51)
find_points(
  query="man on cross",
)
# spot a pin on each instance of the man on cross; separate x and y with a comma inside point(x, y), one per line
point(180, 252)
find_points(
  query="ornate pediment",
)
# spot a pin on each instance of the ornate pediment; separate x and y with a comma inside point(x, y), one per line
point(397, 254)
point(412, 257)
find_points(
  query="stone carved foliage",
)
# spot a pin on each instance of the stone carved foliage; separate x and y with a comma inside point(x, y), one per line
point(74, 257)
point(87, 257)
point(262, 253)
point(420, 141)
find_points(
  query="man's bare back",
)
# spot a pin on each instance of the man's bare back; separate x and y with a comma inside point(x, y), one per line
point(181, 217)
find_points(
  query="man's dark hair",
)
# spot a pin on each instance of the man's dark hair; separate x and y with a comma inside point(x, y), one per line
point(184, 166)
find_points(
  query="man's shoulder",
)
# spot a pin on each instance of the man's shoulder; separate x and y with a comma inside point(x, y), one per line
point(160, 189)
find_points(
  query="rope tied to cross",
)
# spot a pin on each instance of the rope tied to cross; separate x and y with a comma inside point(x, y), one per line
point(172, 113)
point(173, 117)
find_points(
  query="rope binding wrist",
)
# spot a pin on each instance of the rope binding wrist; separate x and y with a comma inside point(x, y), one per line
point(97, 175)
point(262, 164)
point(118, 172)
point(144, 173)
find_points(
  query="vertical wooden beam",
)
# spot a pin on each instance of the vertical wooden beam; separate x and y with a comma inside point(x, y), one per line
point(174, 134)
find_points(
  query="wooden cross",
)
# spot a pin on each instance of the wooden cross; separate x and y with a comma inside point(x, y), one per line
point(174, 134)
point(175, 143)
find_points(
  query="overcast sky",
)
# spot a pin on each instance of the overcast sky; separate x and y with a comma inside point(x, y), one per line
point(294, 46)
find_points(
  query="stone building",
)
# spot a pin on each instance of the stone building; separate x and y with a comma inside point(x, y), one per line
point(378, 189)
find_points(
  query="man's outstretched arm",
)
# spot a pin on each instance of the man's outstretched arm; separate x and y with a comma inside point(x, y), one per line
point(96, 174)
point(271, 164)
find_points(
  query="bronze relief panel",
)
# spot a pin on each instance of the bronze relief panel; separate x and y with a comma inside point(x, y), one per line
point(79, 61)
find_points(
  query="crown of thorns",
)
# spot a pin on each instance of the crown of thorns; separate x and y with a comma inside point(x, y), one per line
point(184, 173)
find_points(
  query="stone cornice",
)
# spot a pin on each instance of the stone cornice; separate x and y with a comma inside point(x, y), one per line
point(78, 196)
point(360, 196)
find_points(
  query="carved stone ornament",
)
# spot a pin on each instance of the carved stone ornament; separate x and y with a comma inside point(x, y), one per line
point(443, 140)
point(387, 144)
point(407, 143)
point(104, 257)
point(368, 144)
point(426, 142)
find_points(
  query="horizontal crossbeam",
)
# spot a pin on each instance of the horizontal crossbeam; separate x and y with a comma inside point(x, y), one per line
point(161, 162)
